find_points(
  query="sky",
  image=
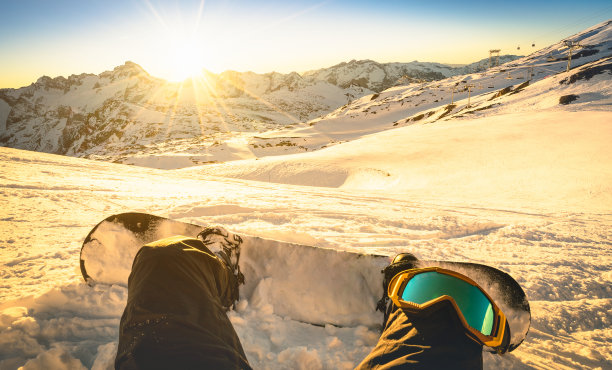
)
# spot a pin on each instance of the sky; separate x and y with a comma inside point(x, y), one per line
point(174, 39)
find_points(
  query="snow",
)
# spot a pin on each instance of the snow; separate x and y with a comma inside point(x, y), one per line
point(128, 116)
point(51, 318)
point(549, 158)
point(523, 185)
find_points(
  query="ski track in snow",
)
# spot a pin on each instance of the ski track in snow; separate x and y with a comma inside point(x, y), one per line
point(49, 317)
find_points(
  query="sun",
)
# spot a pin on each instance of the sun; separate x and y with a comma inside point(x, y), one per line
point(185, 59)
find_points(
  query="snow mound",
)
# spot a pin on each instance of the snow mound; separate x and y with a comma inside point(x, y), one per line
point(549, 159)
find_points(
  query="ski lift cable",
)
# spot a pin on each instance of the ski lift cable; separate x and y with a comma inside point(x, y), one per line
point(564, 27)
point(567, 26)
point(546, 69)
point(535, 66)
point(575, 22)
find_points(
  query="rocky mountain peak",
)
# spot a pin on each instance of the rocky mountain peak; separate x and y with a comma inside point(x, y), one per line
point(59, 83)
point(127, 70)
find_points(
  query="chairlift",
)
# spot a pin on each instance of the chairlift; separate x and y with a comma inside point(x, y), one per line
point(533, 45)
point(518, 47)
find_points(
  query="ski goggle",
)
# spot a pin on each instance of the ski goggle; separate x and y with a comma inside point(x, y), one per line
point(417, 289)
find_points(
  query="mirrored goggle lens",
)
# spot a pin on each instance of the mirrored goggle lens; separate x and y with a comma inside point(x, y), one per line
point(474, 305)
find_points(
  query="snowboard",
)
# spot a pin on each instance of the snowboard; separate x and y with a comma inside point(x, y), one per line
point(310, 284)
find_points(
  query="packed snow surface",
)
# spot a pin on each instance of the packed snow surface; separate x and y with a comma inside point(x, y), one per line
point(50, 319)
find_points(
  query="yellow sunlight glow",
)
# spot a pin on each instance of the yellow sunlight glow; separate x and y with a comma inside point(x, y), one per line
point(185, 59)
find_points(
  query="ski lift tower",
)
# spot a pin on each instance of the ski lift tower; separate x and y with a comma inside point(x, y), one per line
point(571, 45)
point(469, 88)
point(491, 52)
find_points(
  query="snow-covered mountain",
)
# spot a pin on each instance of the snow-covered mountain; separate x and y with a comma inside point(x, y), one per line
point(378, 76)
point(128, 116)
point(123, 112)
point(536, 83)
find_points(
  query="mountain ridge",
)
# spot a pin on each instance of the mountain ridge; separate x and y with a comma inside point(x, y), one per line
point(126, 109)
point(129, 116)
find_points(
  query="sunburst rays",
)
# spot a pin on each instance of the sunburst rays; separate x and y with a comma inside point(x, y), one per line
point(207, 93)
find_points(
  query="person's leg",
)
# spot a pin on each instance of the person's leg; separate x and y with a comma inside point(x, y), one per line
point(433, 340)
point(175, 315)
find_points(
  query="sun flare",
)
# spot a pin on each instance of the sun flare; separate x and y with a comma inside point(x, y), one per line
point(185, 59)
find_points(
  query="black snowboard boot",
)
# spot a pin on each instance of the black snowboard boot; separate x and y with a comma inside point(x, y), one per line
point(401, 262)
point(226, 246)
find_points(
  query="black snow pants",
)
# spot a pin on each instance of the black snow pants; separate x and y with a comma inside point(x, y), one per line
point(175, 317)
point(433, 340)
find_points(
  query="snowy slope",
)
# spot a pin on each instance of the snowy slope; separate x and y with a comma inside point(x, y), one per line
point(50, 319)
point(559, 159)
point(516, 140)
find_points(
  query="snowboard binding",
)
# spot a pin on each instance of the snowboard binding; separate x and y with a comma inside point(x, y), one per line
point(401, 262)
point(226, 246)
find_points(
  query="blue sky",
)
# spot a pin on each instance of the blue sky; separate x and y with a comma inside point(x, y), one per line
point(171, 38)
